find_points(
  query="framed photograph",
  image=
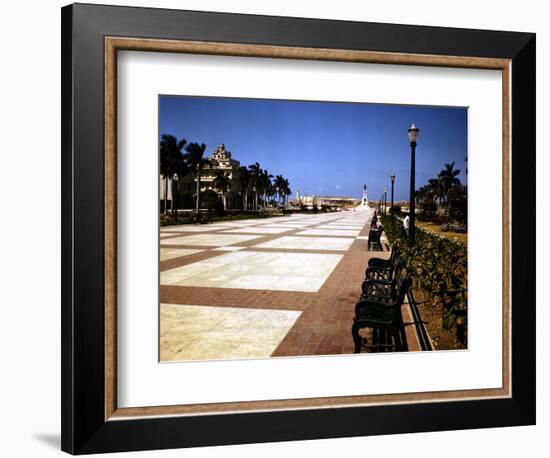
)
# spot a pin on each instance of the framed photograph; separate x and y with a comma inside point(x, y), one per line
point(281, 228)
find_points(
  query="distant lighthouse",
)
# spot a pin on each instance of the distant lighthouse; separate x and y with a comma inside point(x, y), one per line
point(365, 200)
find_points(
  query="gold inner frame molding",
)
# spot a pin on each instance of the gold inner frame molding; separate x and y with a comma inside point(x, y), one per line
point(114, 44)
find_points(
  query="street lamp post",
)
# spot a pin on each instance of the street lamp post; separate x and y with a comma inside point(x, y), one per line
point(385, 201)
point(413, 137)
point(175, 179)
point(392, 179)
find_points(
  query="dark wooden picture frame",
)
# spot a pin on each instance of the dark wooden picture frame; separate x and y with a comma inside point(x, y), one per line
point(91, 37)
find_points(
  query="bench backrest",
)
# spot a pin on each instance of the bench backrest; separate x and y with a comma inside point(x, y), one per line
point(394, 259)
point(374, 236)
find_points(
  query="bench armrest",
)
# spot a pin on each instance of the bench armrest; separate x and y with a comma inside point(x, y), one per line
point(377, 313)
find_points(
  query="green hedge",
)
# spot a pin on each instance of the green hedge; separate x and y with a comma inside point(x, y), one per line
point(438, 267)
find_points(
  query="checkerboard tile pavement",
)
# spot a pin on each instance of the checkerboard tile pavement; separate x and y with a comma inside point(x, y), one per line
point(244, 264)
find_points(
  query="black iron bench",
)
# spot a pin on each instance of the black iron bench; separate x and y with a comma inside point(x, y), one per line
point(383, 269)
point(374, 238)
point(382, 313)
point(381, 288)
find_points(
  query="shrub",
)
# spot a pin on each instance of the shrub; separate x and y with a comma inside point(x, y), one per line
point(450, 227)
point(203, 218)
point(169, 219)
point(166, 220)
point(438, 267)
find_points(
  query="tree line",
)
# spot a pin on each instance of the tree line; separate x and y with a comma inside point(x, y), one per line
point(178, 157)
point(444, 194)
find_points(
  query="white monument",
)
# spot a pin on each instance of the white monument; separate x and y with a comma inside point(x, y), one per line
point(365, 200)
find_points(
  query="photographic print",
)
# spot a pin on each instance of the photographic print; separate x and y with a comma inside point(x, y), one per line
point(302, 228)
point(259, 226)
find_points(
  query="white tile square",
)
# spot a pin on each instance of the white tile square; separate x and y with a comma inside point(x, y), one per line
point(305, 272)
point(308, 243)
point(192, 332)
point(171, 253)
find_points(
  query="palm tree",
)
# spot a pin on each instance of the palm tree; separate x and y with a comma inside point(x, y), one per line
point(284, 189)
point(425, 197)
point(270, 191)
point(222, 183)
point(196, 161)
point(243, 181)
point(436, 187)
point(279, 185)
point(448, 177)
point(424, 194)
point(172, 161)
point(255, 172)
point(265, 185)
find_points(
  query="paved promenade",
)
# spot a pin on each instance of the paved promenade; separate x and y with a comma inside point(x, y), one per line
point(263, 287)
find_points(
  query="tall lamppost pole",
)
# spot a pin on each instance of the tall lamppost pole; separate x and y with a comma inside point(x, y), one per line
point(392, 180)
point(413, 137)
point(385, 201)
point(175, 189)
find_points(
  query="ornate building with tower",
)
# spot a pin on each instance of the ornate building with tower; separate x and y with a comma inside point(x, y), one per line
point(220, 160)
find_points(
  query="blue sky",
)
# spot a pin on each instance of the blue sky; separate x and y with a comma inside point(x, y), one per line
point(324, 148)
